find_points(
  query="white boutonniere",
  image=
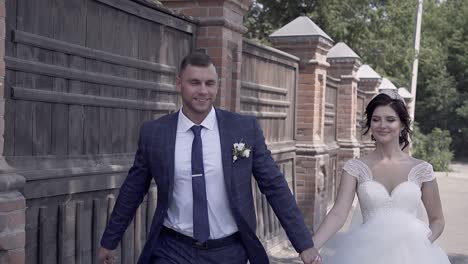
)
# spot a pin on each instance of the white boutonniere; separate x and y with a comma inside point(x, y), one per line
point(240, 150)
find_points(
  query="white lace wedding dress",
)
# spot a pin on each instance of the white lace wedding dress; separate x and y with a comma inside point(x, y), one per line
point(391, 232)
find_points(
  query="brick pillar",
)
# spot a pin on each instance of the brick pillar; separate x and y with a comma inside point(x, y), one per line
point(345, 69)
point(220, 33)
point(312, 158)
point(370, 87)
point(12, 202)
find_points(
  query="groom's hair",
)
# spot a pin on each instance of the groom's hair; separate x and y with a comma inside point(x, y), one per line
point(197, 58)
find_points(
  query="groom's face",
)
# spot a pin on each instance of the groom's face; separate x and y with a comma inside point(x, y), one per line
point(198, 87)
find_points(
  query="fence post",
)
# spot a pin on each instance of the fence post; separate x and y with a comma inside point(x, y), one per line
point(12, 202)
point(220, 33)
point(344, 64)
point(304, 39)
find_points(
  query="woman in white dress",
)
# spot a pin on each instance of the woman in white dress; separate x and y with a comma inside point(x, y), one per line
point(390, 186)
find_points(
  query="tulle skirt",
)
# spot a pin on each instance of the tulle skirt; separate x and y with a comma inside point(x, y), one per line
point(392, 237)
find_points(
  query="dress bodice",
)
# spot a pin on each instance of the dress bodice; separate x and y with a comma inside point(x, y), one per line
point(374, 197)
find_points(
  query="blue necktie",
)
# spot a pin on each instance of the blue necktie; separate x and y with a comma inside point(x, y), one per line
point(201, 226)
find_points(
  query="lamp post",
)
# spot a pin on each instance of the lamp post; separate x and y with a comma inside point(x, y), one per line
point(417, 40)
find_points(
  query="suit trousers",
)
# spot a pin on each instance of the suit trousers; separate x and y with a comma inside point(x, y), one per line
point(169, 250)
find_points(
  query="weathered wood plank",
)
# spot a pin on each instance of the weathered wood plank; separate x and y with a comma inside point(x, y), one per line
point(62, 238)
point(152, 15)
point(108, 43)
point(93, 41)
point(79, 243)
point(260, 218)
point(270, 216)
point(87, 100)
point(152, 197)
point(258, 114)
point(86, 225)
point(266, 102)
point(105, 79)
point(47, 235)
point(123, 37)
point(77, 184)
point(89, 53)
point(75, 130)
point(99, 224)
point(128, 244)
point(132, 123)
point(138, 245)
point(266, 222)
point(74, 27)
point(32, 234)
point(23, 128)
point(10, 115)
point(259, 51)
point(10, 79)
point(42, 23)
point(59, 122)
point(23, 144)
point(110, 207)
point(263, 87)
point(42, 126)
point(105, 124)
point(10, 25)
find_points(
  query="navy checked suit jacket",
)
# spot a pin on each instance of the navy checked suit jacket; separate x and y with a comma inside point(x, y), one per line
point(154, 159)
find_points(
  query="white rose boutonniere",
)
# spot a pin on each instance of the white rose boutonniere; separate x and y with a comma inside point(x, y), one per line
point(240, 150)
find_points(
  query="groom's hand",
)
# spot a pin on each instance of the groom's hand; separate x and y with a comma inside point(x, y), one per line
point(311, 256)
point(105, 256)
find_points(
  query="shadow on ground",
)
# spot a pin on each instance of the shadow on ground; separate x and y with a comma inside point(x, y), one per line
point(458, 259)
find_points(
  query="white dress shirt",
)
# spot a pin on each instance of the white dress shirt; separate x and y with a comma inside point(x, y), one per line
point(180, 212)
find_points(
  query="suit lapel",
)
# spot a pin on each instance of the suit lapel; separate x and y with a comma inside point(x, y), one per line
point(226, 149)
point(170, 150)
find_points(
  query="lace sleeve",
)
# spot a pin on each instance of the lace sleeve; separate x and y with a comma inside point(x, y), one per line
point(356, 169)
point(423, 173)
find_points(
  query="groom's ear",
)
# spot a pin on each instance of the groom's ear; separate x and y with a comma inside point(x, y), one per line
point(178, 83)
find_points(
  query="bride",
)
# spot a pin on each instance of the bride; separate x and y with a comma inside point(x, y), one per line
point(390, 186)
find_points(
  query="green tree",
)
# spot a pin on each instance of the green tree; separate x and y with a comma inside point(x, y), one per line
point(433, 147)
point(266, 16)
point(381, 32)
point(443, 76)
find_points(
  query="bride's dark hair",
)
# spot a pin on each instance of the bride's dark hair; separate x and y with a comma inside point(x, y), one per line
point(396, 104)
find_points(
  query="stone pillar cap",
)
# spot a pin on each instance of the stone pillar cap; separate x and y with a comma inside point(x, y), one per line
point(366, 72)
point(301, 26)
point(341, 51)
point(387, 85)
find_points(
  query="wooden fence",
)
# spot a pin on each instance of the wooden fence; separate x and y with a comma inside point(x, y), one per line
point(82, 75)
point(268, 91)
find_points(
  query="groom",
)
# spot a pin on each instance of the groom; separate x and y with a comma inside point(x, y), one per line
point(205, 210)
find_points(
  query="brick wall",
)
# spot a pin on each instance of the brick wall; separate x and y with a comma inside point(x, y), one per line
point(220, 33)
point(312, 156)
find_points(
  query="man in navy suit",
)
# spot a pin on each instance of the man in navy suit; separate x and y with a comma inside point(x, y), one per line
point(202, 160)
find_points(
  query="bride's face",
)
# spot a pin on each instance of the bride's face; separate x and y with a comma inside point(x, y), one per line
point(385, 125)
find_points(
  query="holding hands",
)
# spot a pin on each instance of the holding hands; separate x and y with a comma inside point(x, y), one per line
point(311, 256)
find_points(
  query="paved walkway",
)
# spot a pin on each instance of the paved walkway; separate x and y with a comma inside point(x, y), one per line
point(453, 187)
point(454, 195)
